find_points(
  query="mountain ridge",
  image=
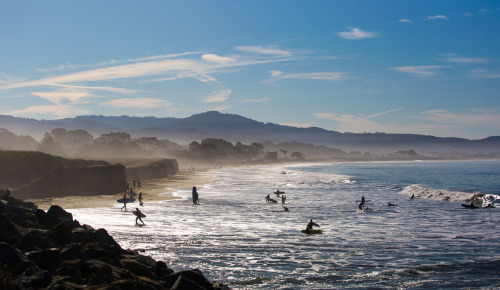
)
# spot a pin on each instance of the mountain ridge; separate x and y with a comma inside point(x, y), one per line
point(234, 128)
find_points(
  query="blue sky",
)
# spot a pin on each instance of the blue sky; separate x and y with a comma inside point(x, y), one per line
point(424, 67)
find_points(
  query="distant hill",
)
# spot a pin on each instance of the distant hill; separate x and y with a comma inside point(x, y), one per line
point(234, 128)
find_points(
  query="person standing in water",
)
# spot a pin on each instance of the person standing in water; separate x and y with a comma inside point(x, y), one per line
point(195, 196)
point(124, 202)
point(140, 199)
point(138, 213)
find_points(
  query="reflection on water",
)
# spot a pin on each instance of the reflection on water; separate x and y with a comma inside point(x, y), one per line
point(235, 236)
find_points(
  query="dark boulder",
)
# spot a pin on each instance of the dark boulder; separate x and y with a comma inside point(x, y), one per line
point(60, 235)
point(137, 268)
point(9, 231)
point(13, 259)
point(33, 278)
point(59, 213)
point(188, 278)
point(48, 259)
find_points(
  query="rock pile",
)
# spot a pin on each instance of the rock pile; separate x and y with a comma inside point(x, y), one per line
point(41, 249)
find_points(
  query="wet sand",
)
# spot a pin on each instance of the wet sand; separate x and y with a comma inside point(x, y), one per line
point(152, 190)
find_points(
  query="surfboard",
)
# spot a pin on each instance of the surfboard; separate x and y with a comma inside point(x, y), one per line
point(135, 213)
point(129, 200)
point(312, 232)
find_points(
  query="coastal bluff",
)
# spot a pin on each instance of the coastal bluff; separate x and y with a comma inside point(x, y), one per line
point(51, 250)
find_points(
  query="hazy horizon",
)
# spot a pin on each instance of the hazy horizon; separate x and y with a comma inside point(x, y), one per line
point(423, 67)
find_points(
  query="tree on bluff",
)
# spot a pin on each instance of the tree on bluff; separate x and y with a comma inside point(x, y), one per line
point(298, 155)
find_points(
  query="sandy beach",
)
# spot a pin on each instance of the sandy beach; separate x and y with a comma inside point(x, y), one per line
point(152, 190)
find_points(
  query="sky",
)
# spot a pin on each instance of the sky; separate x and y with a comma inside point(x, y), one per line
point(420, 67)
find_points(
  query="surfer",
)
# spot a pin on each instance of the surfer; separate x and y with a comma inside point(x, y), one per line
point(412, 196)
point(139, 214)
point(283, 198)
point(140, 199)
point(391, 204)
point(195, 196)
point(124, 202)
point(285, 208)
point(310, 226)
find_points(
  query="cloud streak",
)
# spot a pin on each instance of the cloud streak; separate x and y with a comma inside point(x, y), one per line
point(420, 71)
point(327, 76)
point(356, 33)
point(143, 103)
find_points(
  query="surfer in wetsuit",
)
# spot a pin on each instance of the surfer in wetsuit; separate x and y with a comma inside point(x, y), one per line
point(124, 202)
point(311, 224)
point(140, 199)
point(138, 213)
point(412, 196)
point(195, 196)
point(283, 198)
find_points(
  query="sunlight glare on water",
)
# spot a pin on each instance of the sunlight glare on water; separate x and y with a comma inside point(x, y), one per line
point(234, 236)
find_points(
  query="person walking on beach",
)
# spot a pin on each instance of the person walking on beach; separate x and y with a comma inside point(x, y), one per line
point(140, 199)
point(195, 196)
point(124, 202)
point(138, 213)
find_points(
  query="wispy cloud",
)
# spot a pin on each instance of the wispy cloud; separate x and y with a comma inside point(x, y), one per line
point(57, 97)
point(58, 111)
point(356, 33)
point(328, 76)
point(463, 60)
point(263, 100)
point(437, 17)
point(420, 71)
point(217, 59)
point(143, 103)
point(264, 50)
point(404, 20)
point(434, 122)
point(477, 118)
point(218, 96)
point(484, 74)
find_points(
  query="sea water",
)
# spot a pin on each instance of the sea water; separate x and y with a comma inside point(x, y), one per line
point(235, 236)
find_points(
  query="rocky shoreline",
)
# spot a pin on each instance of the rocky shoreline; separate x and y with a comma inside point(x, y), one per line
point(51, 250)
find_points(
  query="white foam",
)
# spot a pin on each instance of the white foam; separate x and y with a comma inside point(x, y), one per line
point(437, 194)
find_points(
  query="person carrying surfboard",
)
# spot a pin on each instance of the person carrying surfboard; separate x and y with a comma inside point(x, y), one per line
point(139, 215)
point(124, 202)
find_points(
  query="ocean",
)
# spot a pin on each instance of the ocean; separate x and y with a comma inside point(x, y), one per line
point(235, 236)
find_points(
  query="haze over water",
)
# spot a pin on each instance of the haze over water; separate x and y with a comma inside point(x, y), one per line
point(234, 236)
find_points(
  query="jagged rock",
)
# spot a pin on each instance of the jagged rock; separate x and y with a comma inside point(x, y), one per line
point(46, 259)
point(33, 278)
point(9, 232)
point(46, 220)
point(13, 259)
point(188, 278)
point(59, 213)
point(102, 236)
point(36, 238)
point(70, 271)
point(82, 235)
point(61, 235)
point(74, 251)
point(60, 283)
point(137, 268)
point(162, 269)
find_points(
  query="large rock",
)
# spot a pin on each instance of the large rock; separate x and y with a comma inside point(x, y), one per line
point(33, 278)
point(189, 279)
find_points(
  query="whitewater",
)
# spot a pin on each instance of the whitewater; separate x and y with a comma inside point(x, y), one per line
point(234, 236)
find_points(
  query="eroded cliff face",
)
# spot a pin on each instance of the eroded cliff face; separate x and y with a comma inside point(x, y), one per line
point(92, 180)
point(156, 169)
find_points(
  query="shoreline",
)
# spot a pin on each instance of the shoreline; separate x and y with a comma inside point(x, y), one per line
point(162, 189)
point(152, 190)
